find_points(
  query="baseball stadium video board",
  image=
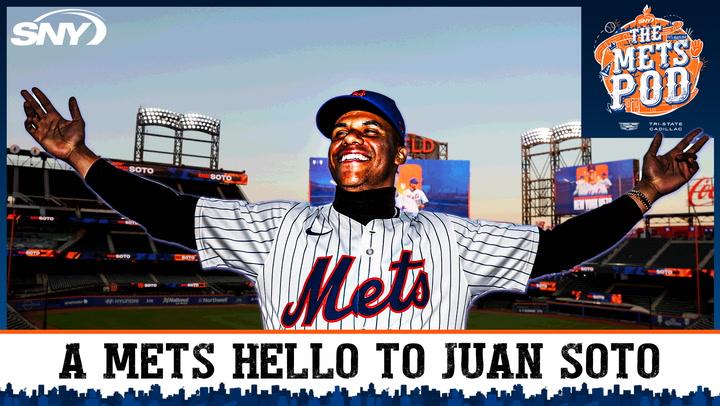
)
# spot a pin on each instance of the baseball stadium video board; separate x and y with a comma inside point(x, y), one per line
point(582, 188)
point(433, 185)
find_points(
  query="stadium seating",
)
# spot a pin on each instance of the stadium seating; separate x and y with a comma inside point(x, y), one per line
point(638, 251)
point(39, 240)
point(173, 278)
point(676, 304)
point(25, 280)
point(62, 282)
point(703, 323)
point(16, 322)
point(94, 240)
point(641, 295)
point(681, 254)
point(680, 297)
point(32, 183)
point(128, 278)
point(225, 279)
point(583, 283)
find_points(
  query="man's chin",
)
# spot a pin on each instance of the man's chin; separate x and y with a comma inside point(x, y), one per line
point(349, 179)
point(352, 186)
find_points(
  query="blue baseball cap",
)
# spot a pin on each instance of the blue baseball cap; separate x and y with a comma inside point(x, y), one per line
point(363, 100)
point(413, 181)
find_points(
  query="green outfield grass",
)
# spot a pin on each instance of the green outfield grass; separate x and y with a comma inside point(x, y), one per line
point(248, 317)
point(163, 318)
point(501, 320)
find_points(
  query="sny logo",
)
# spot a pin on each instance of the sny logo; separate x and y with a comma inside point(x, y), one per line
point(318, 297)
point(649, 66)
point(37, 31)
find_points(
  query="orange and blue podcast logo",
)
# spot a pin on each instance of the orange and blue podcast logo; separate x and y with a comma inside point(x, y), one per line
point(650, 66)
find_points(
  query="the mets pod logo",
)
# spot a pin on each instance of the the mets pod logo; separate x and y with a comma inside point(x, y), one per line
point(650, 66)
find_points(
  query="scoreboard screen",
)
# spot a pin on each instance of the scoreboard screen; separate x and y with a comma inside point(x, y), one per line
point(445, 184)
point(582, 188)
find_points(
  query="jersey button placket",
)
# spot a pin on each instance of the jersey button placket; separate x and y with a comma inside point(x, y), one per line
point(368, 238)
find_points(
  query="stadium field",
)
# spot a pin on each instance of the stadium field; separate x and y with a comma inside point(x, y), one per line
point(248, 317)
point(502, 320)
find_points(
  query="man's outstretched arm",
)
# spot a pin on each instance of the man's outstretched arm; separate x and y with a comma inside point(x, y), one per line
point(164, 214)
point(585, 236)
point(588, 235)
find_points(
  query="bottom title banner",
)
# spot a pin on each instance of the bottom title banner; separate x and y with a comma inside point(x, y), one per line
point(463, 364)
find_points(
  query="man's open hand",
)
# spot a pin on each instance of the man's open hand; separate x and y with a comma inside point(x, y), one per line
point(64, 139)
point(664, 174)
point(59, 137)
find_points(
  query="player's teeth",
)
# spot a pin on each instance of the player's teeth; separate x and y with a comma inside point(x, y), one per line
point(358, 157)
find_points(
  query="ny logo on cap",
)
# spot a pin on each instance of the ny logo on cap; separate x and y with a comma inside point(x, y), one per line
point(360, 93)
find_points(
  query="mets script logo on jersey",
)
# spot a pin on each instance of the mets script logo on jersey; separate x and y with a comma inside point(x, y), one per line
point(321, 292)
point(62, 32)
point(650, 66)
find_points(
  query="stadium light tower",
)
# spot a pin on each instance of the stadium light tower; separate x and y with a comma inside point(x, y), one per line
point(203, 124)
point(179, 124)
point(544, 151)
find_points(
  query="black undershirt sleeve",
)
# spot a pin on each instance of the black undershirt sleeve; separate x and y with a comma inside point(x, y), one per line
point(585, 236)
point(165, 214)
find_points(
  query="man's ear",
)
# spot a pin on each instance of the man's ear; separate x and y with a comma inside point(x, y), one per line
point(401, 155)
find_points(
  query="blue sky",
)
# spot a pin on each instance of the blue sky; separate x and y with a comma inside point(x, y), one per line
point(476, 78)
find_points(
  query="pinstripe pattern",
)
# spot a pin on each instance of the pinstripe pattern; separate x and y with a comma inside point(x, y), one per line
point(269, 243)
point(495, 255)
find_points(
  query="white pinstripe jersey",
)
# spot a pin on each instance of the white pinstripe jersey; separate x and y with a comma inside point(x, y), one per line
point(315, 268)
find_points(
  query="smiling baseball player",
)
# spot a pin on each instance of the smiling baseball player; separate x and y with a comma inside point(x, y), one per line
point(359, 263)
